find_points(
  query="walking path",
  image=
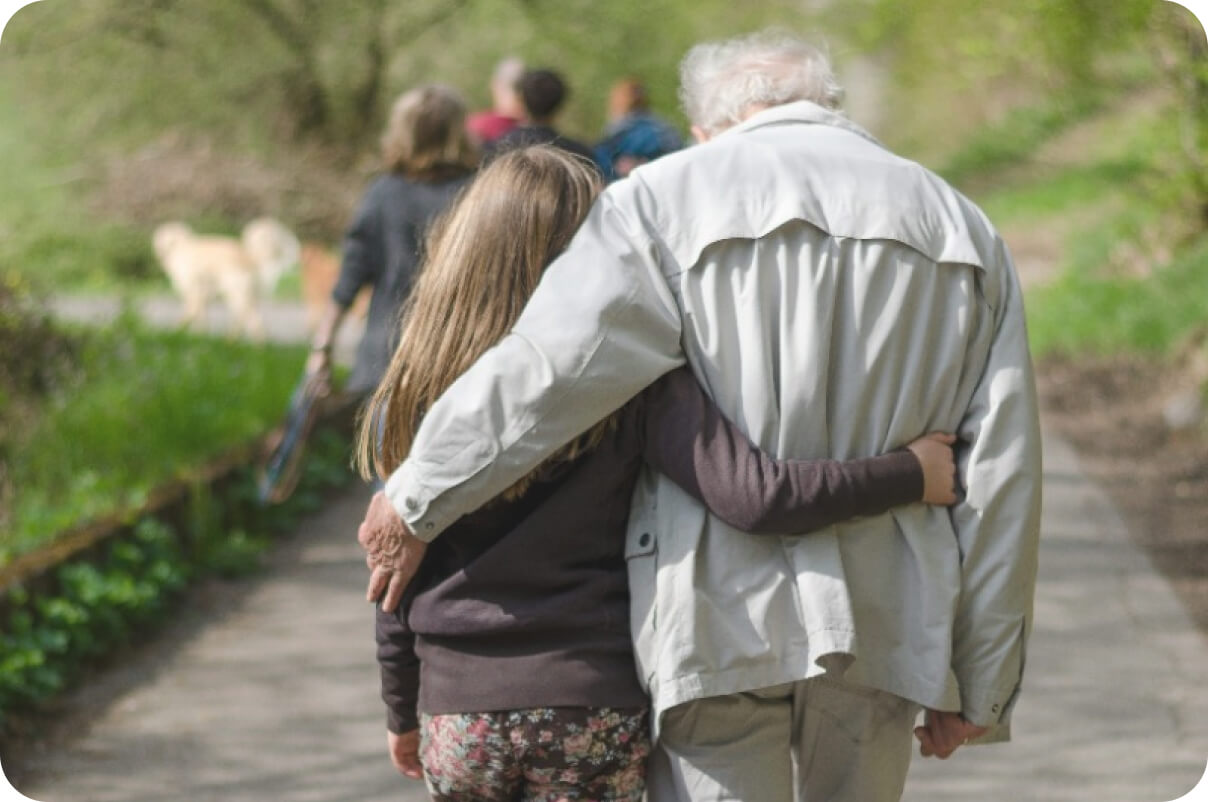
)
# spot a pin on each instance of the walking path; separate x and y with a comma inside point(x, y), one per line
point(271, 695)
point(284, 321)
point(275, 697)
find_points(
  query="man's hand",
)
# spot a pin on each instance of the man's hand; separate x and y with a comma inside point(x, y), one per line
point(942, 733)
point(404, 753)
point(393, 554)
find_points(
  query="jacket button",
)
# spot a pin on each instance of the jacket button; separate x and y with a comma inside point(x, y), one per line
point(644, 540)
point(410, 503)
point(994, 708)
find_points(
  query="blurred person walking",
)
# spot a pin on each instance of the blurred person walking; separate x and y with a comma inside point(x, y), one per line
point(507, 109)
point(634, 135)
point(543, 93)
point(427, 158)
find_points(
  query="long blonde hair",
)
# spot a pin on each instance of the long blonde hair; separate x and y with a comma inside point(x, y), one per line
point(485, 257)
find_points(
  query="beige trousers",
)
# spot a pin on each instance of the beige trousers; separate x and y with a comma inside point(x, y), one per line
point(817, 740)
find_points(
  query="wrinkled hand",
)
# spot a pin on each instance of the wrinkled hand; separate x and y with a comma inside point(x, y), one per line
point(404, 753)
point(943, 733)
point(392, 553)
point(934, 452)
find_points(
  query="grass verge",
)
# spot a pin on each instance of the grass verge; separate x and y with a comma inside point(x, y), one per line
point(141, 408)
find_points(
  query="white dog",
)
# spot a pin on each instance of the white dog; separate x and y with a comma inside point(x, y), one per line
point(237, 270)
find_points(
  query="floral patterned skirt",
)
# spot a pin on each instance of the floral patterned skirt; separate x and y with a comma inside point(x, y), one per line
point(544, 754)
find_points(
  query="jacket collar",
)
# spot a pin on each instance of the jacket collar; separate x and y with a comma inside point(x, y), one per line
point(800, 111)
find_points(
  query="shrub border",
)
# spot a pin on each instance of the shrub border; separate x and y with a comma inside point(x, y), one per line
point(107, 582)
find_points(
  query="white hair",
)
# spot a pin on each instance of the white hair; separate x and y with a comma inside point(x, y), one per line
point(721, 81)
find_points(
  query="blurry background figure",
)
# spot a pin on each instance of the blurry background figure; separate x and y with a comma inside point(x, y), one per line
point(507, 108)
point(428, 157)
point(634, 134)
point(319, 267)
point(542, 92)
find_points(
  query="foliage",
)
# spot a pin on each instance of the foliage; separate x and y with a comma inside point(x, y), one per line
point(1082, 312)
point(145, 407)
point(1181, 50)
point(100, 604)
point(1134, 261)
point(49, 235)
point(1004, 144)
point(953, 67)
point(34, 359)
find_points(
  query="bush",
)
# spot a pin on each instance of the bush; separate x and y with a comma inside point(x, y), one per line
point(142, 408)
point(1085, 312)
point(34, 358)
point(47, 640)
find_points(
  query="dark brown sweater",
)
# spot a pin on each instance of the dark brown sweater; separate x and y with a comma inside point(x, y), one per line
point(525, 603)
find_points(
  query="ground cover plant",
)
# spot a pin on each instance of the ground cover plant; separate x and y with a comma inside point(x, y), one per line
point(95, 604)
point(94, 422)
point(1130, 264)
point(138, 409)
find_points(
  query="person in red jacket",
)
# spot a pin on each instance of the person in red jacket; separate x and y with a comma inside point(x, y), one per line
point(507, 107)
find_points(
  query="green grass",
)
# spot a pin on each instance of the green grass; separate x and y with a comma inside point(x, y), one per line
point(146, 407)
point(48, 233)
point(1016, 137)
point(1081, 312)
point(1063, 190)
point(1104, 199)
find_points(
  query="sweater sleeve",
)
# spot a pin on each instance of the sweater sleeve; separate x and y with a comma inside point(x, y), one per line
point(362, 257)
point(691, 441)
point(399, 669)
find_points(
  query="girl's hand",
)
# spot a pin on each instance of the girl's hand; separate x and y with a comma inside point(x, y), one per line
point(404, 753)
point(934, 452)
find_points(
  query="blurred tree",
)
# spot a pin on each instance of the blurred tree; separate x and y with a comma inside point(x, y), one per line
point(315, 69)
point(1181, 49)
point(989, 57)
point(257, 70)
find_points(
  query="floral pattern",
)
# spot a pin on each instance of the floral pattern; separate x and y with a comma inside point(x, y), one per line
point(544, 754)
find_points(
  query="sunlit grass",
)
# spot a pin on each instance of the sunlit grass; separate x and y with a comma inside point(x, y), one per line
point(1082, 312)
point(146, 407)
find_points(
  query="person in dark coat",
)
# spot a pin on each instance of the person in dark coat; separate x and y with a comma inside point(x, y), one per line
point(428, 158)
point(543, 92)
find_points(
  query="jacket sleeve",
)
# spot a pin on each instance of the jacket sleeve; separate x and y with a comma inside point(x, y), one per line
point(399, 668)
point(689, 439)
point(998, 522)
point(362, 256)
point(600, 327)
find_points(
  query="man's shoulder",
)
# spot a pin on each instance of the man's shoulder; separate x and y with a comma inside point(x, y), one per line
point(749, 183)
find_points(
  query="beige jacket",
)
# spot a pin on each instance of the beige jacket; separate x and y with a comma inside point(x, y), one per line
point(836, 301)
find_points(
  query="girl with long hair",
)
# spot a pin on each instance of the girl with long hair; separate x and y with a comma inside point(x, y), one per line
point(507, 670)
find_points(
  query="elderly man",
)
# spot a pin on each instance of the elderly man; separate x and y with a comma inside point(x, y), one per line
point(836, 300)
